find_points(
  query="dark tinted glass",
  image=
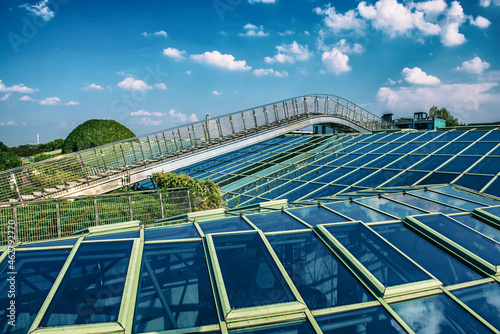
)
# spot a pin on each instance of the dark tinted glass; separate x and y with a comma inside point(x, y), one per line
point(383, 204)
point(358, 212)
point(225, 225)
point(275, 221)
point(479, 226)
point(171, 233)
point(314, 215)
point(302, 327)
point(423, 204)
point(484, 300)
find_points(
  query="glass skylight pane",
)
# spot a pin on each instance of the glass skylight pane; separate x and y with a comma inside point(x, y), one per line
point(447, 199)
point(362, 160)
point(431, 162)
point(91, 291)
point(250, 275)
point(275, 221)
point(388, 206)
point(387, 148)
point(423, 204)
point(479, 148)
point(303, 191)
point(494, 188)
point(385, 263)
point(325, 191)
point(377, 178)
point(488, 165)
point(125, 235)
point(450, 136)
point(383, 161)
point(453, 148)
point(175, 290)
point(452, 191)
point(171, 233)
point(314, 215)
point(225, 225)
point(437, 314)
point(358, 212)
point(493, 210)
point(302, 327)
point(406, 148)
point(483, 247)
point(406, 161)
point(355, 176)
point(363, 321)
point(436, 261)
point(492, 136)
point(438, 178)
point(327, 178)
point(483, 299)
point(428, 148)
point(458, 164)
point(319, 276)
point(405, 179)
point(66, 242)
point(479, 226)
point(472, 135)
point(35, 272)
point(474, 182)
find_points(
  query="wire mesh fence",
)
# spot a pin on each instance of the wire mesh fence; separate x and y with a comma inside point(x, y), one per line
point(49, 219)
point(58, 175)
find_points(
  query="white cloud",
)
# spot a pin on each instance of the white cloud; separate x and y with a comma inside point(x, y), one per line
point(261, 1)
point(9, 123)
point(339, 22)
point(336, 61)
point(432, 8)
point(39, 9)
point(147, 121)
point(480, 22)
point(72, 103)
point(174, 53)
point(252, 30)
point(218, 59)
point(450, 35)
point(178, 117)
point(20, 88)
point(475, 65)
point(160, 33)
point(130, 83)
point(290, 53)
point(419, 77)
point(286, 33)
point(5, 97)
point(27, 98)
point(188, 72)
point(269, 71)
point(484, 3)
point(161, 86)
point(93, 86)
point(344, 46)
point(216, 93)
point(463, 100)
point(50, 101)
point(142, 112)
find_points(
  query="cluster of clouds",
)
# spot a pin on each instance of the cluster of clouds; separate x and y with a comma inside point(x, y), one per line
point(22, 89)
point(39, 9)
point(143, 117)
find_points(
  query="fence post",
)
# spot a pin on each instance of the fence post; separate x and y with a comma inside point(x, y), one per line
point(95, 212)
point(189, 200)
point(161, 206)
point(130, 208)
point(58, 220)
point(14, 214)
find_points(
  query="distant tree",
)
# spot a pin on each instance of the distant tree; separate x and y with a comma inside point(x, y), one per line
point(95, 132)
point(443, 113)
point(8, 159)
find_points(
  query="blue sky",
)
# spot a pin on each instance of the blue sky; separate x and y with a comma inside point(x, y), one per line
point(153, 65)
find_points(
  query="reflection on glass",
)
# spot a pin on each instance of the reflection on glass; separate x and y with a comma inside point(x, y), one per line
point(302, 327)
point(36, 272)
point(321, 279)
point(484, 299)
point(363, 321)
point(175, 290)
point(225, 225)
point(437, 314)
point(382, 260)
point(483, 247)
point(388, 206)
point(171, 233)
point(275, 221)
point(91, 291)
point(423, 204)
point(479, 226)
point(461, 203)
point(452, 191)
point(314, 215)
point(439, 263)
point(250, 275)
point(66, 242)
point(358, 212)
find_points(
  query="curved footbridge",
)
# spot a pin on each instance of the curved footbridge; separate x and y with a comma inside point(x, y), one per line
point(112, 166)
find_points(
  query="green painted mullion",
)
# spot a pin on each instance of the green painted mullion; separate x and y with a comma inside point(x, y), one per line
point(406, 204)
point(313, 322)
point(200, 329)
point(453, 196)
point(102, 328)
point(249, 222)
point(470, 283)
point(171, 241)
point(297, 218)
point(55, 286)
point(338, 213)
point(395, 316)
point(438, 202)
point(376, 209)
point(470, 311)
point(42, 248)
point(345, 308)
point(488, 217)
point(3, 256)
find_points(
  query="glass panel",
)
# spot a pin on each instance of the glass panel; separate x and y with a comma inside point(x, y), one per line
point(460, 203)
point(406, 161)
point(388, 206)
point(363, 321)
point(250, 274)
point(91, 291)
point(225, 225)
point(358, 212)
point(472, 135)
point(439, 178)
point(360, 161)
point(383, 161)
point(437, 314)
point(275, 221)
point(494, 188)
point(431, 162)
point(474, 182)
point(406, 179)
point(458, 164)
point(384, 262)
point(185, 299)
point(377, 178)
point(171, 233)
point(387, 148)
point(479, 226)
point(428, 148)
point(452, 191)
point(66, 242)
point(423, 204)
point(126, 235)
point(302, 327)
point(479, 148)
point(305, 190)
point(439, 263)
point(493, 210)
point(453, 148)
point(36, 272)
point(483, 299)
point(450, 136)
point(492, 136)
point(488, 165)
point(321, 279)
point(406, 148)
point(355, 176)
point(327, 178)
point(464, 236)
point(325, 191)
point(314, 215)
point(342, 160)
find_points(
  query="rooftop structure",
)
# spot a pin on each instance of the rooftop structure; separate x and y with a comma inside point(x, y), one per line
point(420, 121)
point(392, 232)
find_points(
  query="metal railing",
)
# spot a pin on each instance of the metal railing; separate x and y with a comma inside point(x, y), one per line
point(56, 176)
point(50, 219)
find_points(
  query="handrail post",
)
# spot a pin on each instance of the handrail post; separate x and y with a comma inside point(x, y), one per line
point(180, 138)
point(232, 126)
point(175, 142)
point(190, 139)
point(166, 143)
point(276, 116)
point(219, 128)
point(255, 120)
point(306, 111)
point(244, 125)
point(316, 105)
point(265, 116)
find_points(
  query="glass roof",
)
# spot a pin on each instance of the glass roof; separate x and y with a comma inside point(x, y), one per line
point(357, 257)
